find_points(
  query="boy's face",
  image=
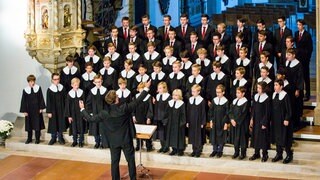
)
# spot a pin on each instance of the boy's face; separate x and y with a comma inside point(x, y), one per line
point(172, 35)
point(175, 96)
point(277, 87)
point(106, 64)
point(238, 75)
point(238, 40)
point(259, 89)
point(219, 92)
point(69, 63)
point(132, 49)
point(242, 54)
point(142, 71)
point(215, 40)
point(240, 94)
point(156, 69)
point(75, 86)
point(145, 21)
point(168, 52)
point(127, 66)
point(184, 59)
point(166, 21)
point(122, 86)
point(261, 37)
point(300, 26)
point(91, 52)
point(290, 56)
point(160, 89)
point(195, 71)
point(202, 56)
point(220, 53)
point(220, 29)
point(97, 82)
point(193, 38)
point(183, 21)
point(289, 44)
point(204, 21)
point(264, 73)
point(281, 22)
point(175, 68)
point(260, 26)
point(263, 58)
point(239, 24)
point(111, 50)
point(89, 69)
point(150, 34)
point(195, 92)
point(125, 23)
point(31, 83)
point(216, 69)
point(55, 80)
point(150, 49)
point(140, 90)
point(114, 32)
point(133, 33)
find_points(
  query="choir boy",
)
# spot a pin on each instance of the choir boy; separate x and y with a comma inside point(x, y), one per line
point(123, 93)
point(185, 63)
point(204, 62)
point(264, 62)
point(109, 74)
point(87, 79)
point(141, 77)
point(69, 72)
point(184, 29)
point(174, 43)
point(168, 60)
point(157, 76)
point(128, 74)
point(239, 81)
point(224, 60)
point(244, 62)
point(134, 56)
point(260, 46)
point(93, 58)
point(176, 79)
point(195, 78)
point(205, 31)
point(150, 57)
point(193, 46)
point(116, 59)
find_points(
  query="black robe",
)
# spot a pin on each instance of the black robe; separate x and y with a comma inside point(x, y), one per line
point(175, 119)
point(160, 110)
point(225, 64)
point(139, 79)
point(87, 82)
point(96, 61)
point(136, 60)
point(32, 102)
point(67, 74)
point(192, 81)
point(155, 80)
point(246, 64)
point(186, 68)
point(244, 83)
point(116, 61)
point(130, 77)
point(281, 111)
point(196, 117)
point(257, 70)
point(110, 78)
point(176, 81)
point(148, 60)
point(56, 97)
point(239, 111)
point(218, 114)
point(124, 96)
point(211, 83)
point(206, 66)
point(72, 109)
point(261, 117)
point(167, 64)
point(144, 110)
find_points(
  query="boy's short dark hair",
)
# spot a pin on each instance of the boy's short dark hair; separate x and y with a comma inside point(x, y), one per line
point(31, 77)
point(54, 74)
point(70, 58)
point(184, 54)
point(279, 81)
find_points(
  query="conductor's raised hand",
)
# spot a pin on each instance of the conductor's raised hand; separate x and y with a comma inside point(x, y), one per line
point(81, 104)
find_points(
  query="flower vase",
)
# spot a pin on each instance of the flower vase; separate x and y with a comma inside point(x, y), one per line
point(2, 141)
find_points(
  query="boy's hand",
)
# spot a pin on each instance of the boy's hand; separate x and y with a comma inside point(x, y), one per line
point(211, 124)
point(225, 127)
point(201, 126)
point(148, 121)
point(209, 103)
point(134, 120)
point(251, 123)
point(264, 127)
point(40, 111)
point(81, 104)
point(297, 93)
point(49, 115)
point(153, 100)
point(187, 125)
point(70, 119)
point(25, 114)
point(286, 123)
point(233, 122)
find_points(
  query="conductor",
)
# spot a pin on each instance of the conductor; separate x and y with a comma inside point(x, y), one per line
point(118, 129)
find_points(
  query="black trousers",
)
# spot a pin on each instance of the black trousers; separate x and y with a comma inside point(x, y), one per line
point(264, 152)
point(287, 148)
point(128, 151)
point(37, 135)
point(306, 75)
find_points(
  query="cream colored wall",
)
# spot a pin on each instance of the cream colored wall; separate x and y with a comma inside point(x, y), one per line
point(15, 63)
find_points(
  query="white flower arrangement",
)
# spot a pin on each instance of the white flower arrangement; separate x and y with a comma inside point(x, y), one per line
point(5, 128)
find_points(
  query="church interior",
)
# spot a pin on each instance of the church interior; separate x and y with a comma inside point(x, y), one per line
point(38, 35)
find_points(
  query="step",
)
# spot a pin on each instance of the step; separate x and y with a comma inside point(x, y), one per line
point(308, 161)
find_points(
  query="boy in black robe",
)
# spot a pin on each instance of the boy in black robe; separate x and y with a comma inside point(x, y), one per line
point(134, 56)
point(224, 60)
point(185, 63)
point(157, 76)
point(141, 77)
point(94, 104)
point(116, 59)
point(93, 58)
point(240, 81)
point(244, 62)
point(56, 95)
point(32, 105)
point(218, 116)
point(282, 123)
point(150, 57)
point(168, 60)
point(204, 62)
point(69, 72)
point(239, 118)
point(176, 79)
point(109, 75)
point(78, 127)
point(128, 74)
point(195, 78)
point(87, 79)
point(123, 93)
point(196, 120)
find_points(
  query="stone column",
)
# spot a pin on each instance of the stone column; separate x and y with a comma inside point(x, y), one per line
point(317, 109)
point(79, 14)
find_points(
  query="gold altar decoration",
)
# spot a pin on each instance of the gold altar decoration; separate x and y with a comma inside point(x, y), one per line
point(54, 31)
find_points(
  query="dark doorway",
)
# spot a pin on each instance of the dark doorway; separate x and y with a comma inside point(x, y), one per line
point(140, 9)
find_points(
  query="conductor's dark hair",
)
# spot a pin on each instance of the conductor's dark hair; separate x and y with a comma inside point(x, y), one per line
point(263, 85)
point(279, 81)
point(54, 74)
point(111, 97)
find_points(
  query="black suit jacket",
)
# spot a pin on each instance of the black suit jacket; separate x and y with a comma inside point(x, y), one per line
point(246, 33)
point(141, 33)
point(193, 56)
point(138, 43)
point(186, 38)
point(207, 37)
point(226, 42)
point(256, 53)
point(233, 55)
point(177, 47)
point(120, 33)
point(269, 37)
point(121, 46)
point(117, 121)
point(161, 33)
point(280, 42)
point(304, 45)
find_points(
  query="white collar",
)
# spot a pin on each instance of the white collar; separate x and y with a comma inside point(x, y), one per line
point(282, 94)
point(263, 97)
point(77, 93)
point(222, 101)
point(88, 77)
point(56, 88)
point(179, 76)
point(35, 89)
point(220, 75)
point(129, 74)
point(145, 99)
point(179, 103)
point(223, 60)
point(246, 61)
point(160, 75)
point(267, 80)
point(94, 57)
point(293, 63)
point(186, 65)
point(269, 65)
point(285, 83)
point(102, 90)
point(167, 60)
point(126, 93)
point(240, 101)
point(165, 96)
point(73, 70)
point(195, 100)
point(135, 56)
point(115, 56)
point(143, 78)
point(110, 70)
point(199, 78)
point(206, 61)
point(154, 55)
point(242, 82)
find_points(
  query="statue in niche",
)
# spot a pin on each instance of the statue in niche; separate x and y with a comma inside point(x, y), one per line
point(45, 19)
point(67, 17)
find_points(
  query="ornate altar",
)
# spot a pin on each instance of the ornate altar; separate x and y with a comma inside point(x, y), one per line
point(54, 31)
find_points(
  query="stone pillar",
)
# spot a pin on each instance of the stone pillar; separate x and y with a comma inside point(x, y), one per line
point(317, 109)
